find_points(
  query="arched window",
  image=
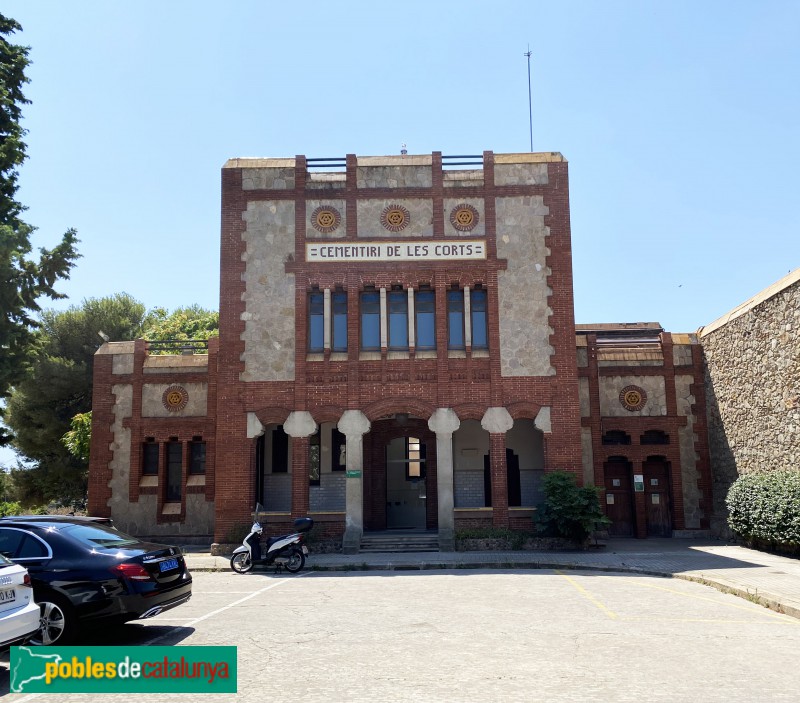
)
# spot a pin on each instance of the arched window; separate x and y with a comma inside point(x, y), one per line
point(654, 437)
point(616, 437)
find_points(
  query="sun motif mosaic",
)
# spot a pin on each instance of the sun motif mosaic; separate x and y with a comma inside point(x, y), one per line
point(633, 398)
point(175, 398)
point(464, 217)
point(326, 219)
point(395, 218)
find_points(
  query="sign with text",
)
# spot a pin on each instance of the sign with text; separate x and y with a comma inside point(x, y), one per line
point(145, 669)
point(448, 250)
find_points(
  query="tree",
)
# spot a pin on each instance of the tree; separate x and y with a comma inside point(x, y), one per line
point(57, 387)
point(182, 324)
point(23, 280)
point(78, 440)
point(49, 410)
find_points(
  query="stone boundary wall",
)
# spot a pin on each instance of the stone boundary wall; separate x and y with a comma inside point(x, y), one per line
point(752, 379)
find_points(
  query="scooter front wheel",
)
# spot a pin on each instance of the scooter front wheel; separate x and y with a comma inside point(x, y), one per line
point(241, 563)
point(296, 561)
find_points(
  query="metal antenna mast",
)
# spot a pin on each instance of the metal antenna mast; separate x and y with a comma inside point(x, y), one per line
point(530, 104)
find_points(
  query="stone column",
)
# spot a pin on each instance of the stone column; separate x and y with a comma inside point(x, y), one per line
point(300, 426)
point(444, 422)
point(354, 425)
point(498, 421)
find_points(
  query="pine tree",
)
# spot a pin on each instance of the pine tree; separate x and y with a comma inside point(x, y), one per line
point(23, 279)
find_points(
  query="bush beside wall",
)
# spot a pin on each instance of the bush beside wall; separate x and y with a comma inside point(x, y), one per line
point(764, 509)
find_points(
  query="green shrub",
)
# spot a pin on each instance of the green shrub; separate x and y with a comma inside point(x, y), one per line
point(764, 508)
point(7, 508)
point(568, 510)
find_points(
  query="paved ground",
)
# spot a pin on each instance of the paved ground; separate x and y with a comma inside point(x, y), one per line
point(462, 635)
point(768, 579)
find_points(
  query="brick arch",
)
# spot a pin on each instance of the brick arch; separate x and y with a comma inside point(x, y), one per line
point(389, 406)
point(273, 415)
point(327, 413)
point(470, 411)
point(524, 410)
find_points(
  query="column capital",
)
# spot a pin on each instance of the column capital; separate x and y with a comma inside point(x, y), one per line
point(497, 421)
point(542, 421)
point(300, 423)
point(353, 422)
point(254, 426)
point(444, 421)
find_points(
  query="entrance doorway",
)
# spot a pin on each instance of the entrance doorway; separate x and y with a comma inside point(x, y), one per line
point(657, 499)
point(406, 492)
point(619, 496)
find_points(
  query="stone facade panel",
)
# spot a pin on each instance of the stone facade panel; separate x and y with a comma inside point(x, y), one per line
point(478, 231)
point(610, 387)
point(515, 174)
point(420, 221)
point(524, 295)
point(312, 232)
point(269, 340)
point(122, 364)
point(394, 176)
point(153, 403)
point(268, 178)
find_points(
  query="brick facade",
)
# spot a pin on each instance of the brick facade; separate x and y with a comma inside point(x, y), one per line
point(261, 373)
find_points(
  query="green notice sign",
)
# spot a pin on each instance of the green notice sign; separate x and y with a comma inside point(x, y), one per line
point(353, 474)
point(123, 669)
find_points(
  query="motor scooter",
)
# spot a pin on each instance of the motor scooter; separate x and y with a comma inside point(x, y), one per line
point(287, 551)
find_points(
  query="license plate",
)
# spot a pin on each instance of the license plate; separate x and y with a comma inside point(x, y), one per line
point(305, 550)
point(168, 565)
point(8, 595)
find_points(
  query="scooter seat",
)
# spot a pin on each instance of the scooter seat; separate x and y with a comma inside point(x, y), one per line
point(271, 541)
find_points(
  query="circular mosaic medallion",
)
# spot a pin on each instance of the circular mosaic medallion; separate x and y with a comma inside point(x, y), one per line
point(325, 219)
point(175, 398)
point(395, 218)
point(633, 398)
point(464, 217)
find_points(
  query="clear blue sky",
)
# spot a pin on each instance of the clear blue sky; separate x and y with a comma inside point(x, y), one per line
point(679, 120)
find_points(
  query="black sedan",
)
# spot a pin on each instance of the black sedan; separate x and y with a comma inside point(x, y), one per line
point(85, 573)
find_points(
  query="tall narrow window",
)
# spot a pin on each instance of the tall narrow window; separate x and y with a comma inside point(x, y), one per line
point(425, 310)
point(339, 442)
point(174, 467)
point(455, 319)
point(150, 458)
point(477, 303)
point(398, 319)
point(314, 459)
point(197, 456)
point(339, 305)
point(316, 322)
point(280, 451)
point(371, 321)
point(415, 451)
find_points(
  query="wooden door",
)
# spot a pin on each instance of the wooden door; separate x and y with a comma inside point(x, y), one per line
point(657, 498)
point(619, 498)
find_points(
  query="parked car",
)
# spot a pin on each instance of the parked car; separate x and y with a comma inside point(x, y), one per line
point(19, 615)
point(85, 573)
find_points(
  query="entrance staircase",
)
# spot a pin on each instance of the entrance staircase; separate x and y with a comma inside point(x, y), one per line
point(397, 542)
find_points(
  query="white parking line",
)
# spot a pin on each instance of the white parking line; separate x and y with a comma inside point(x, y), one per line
point(230, 605)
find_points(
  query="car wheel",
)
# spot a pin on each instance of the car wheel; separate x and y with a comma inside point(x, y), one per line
point(57, 621)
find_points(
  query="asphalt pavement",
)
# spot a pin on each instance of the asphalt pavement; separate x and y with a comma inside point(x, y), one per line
point(760, 577)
